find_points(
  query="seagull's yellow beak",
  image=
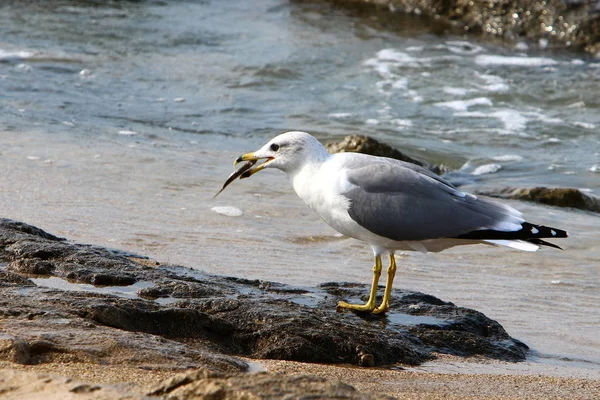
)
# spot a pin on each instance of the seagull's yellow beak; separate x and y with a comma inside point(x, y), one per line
point(252, 157)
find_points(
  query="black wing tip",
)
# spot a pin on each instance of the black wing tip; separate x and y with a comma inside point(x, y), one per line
point(529, 232)
point(541, 231)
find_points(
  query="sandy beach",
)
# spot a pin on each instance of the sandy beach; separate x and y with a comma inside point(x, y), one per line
point(405, 384)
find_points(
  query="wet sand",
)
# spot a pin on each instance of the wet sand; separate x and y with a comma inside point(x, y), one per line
point(410, 383)
point(414, 384)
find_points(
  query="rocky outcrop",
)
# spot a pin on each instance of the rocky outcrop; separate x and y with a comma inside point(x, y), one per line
point(559, 197)
point(568, 23)
point(170, 317)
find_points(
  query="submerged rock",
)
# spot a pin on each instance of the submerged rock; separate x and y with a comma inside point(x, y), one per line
point(373, 147)
point(184, 318)
point(568, 23)
point(560, 197)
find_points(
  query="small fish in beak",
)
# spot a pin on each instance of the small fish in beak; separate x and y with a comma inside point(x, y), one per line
point(236, 174)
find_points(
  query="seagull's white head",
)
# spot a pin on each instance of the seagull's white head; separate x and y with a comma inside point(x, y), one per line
point(288, 152)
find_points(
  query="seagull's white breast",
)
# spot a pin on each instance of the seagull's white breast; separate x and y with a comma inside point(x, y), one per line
point(320, 186)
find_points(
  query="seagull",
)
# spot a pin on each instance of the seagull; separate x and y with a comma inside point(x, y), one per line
point(391, 205)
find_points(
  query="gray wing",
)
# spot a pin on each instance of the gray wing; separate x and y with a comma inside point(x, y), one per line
point(406, 202)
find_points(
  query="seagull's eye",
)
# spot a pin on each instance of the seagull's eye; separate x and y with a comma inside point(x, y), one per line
point(274, 147)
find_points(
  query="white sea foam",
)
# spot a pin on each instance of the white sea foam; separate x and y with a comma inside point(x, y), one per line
point(585, 125)
point(127, 133)
point(23, 67)
point(228, 211)
point(595, 168)
point(387, 59)
point(401, 123)
point(12, 55)
point(382, 68)
point(521, 46)
point(401, 83)
point(487, 169)
point(385, 111)
point(339, 115)
point(415, 96)
point(493, 60)
point(384, 86)
point(497, 87)
point(539, 116)
point(493, 83)
point(508, 158)
point(395, 56)
point(372, 121)
point(463, 47)
point(457, 91)
point(513, 121)
point(464, 105)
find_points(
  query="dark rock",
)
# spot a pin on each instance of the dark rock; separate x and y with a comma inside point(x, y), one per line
point(8, 278)
point(141, 316)
point(560, 197)
point(14, 350)
point(368, 145)
point(84, 388)
point(180, 290)
point(197, 318)
point(16, 226)
point(32, 266)
point(112, 280)
point(564, 23)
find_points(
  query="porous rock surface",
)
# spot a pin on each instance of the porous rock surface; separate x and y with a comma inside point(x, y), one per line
point(562, 23)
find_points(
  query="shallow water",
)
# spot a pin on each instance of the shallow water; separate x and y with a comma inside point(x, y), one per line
point(120, 122)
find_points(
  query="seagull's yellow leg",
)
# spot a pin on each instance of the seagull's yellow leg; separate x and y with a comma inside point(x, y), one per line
point(391, 272)
point(369, 305)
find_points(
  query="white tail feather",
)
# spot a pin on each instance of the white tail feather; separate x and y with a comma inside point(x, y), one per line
point(515, 244)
